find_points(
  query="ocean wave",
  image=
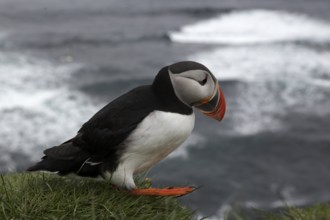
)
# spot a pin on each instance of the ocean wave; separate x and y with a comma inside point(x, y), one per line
point(253, 27)
point(37, 105)
point(272, 79)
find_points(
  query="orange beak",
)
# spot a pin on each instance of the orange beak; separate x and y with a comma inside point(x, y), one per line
point(214, 107)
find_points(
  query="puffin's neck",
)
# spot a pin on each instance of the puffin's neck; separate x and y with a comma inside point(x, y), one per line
point(164, 90)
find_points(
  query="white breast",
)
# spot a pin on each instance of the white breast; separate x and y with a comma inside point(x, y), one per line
point(155, 137)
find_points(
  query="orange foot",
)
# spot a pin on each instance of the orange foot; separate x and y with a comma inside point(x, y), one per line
point(170, 191)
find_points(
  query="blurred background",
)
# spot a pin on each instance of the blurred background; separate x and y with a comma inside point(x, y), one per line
point(60, 61)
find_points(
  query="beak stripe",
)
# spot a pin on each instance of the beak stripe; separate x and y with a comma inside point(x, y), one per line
point(209, 106)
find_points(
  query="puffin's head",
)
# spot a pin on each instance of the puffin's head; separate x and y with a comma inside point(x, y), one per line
point(195, 86)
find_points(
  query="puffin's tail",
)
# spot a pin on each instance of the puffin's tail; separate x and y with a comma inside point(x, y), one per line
point(65, 159)
point(61, 167)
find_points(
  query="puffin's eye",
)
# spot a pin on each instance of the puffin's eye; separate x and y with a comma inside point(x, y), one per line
point(204, 81)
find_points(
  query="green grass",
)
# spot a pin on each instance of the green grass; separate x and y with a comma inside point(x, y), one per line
point(45, 196)
point(315, 212)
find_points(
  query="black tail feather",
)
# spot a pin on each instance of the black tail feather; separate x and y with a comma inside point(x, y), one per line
point(64, 167)
point(65, 159)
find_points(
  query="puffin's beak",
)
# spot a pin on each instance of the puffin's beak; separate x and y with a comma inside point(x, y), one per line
point(214, 107)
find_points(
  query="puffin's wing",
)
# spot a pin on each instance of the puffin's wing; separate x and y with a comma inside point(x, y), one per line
point(103, 134)
point(65, 151)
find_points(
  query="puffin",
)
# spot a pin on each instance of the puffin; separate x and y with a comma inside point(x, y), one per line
point(139, 128)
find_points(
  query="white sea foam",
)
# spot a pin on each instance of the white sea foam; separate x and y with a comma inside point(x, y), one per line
point(37, 106)
point(254, 26)
point(274, 78)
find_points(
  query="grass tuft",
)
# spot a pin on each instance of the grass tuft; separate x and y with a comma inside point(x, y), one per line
point(46, 196)
point(314, 212)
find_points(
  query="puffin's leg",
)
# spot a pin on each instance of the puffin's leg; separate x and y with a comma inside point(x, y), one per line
point(170, 191)
point(123, 177)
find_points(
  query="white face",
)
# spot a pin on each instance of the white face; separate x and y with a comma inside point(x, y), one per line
point(193, 86)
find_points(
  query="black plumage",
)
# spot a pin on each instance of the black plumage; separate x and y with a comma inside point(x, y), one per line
point(100, 141)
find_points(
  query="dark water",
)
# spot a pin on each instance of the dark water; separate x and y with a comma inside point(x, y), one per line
point(61, 61)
